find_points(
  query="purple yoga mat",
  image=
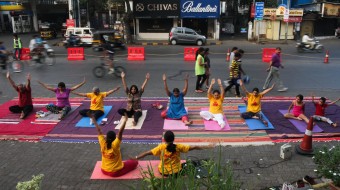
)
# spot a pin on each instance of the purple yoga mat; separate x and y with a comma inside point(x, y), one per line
point(301, 125)
point(213, 125)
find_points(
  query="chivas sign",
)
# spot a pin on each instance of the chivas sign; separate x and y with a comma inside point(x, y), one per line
point(200, 8)
point(156, 9)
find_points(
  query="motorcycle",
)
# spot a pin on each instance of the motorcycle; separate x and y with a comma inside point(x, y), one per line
point(73, 41)
point(302, 47)
point(43, 53)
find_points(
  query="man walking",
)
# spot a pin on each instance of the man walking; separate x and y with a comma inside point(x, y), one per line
point(273, 69)
point(17, 45)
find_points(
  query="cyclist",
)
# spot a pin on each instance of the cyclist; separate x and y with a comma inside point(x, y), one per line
point(110, 52)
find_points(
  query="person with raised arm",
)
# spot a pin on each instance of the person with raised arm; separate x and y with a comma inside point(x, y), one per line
point(62, 94)
point(25, 105)
point(320, 108)
point(176, 108)
point(134, 103)
point(170, 154)
point(97, 102)
point(112, 164)
point(254, 103)
point(216, 104)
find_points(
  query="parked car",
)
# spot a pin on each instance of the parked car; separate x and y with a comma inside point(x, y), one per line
point(179, 35)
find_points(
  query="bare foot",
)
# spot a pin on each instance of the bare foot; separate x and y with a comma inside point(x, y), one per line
point(255, 117)
point(265, 123)
point(187, 122)
point(134, 123)
point(334, 125)
point(22, 115)
point(299, 118)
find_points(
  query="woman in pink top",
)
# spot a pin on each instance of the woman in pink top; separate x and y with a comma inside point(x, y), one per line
point(62, 94)
point(298, 109)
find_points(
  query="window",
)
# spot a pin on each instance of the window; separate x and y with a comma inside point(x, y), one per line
point(86, 31)
point(78, 32)
point(189, 31)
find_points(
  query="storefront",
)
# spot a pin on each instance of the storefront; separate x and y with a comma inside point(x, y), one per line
point(329, 21)
point(154, 19)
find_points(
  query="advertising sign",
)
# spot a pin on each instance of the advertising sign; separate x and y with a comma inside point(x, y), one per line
point(70, 23)
point(286, 15)
point(259, 6)
point(200, 9)
point(330, 10)
point(156, 9)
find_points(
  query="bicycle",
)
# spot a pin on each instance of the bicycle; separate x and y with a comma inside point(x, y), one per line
point(104, 68)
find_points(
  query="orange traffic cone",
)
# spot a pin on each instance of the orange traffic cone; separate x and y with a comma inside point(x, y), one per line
point(305, 147)
point(228, 55)
point(326, 57)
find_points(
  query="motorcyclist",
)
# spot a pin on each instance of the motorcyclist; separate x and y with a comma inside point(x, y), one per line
point(308, 42)
point(73, 40)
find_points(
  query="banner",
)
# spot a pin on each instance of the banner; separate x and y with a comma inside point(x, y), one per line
point(200, 8)
point(156, 8)
point(330, 10)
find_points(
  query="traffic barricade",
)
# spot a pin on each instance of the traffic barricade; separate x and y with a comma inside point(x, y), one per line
point(75, 53)
point(267, 54)
point(136, 54)
point(25, 54)
point(190, 53)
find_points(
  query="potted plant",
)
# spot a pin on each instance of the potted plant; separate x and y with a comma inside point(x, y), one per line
point(328, 164)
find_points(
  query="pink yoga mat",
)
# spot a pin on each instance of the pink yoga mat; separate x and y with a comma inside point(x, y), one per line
point(213, 125)
point(301, 125)
point(171, 124)
point(135, 174)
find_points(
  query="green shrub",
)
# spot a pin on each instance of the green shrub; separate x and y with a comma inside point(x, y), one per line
point(33, 184)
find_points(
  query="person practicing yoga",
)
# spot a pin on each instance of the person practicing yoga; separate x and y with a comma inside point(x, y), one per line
point(25, 105)
point(176, 108)
point(97, 102)
point(216, 104)
point(254, 103)
point(112, 164)
point(62, 94)
point(298, 110)
point(170, 154)
point(320, 108)
point(134, 104)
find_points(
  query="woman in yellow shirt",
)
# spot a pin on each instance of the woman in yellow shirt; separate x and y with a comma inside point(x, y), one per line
point(170, 154)
point(216, 104)
point(112, 164)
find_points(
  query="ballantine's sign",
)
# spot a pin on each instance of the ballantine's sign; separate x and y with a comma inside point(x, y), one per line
point(188, 7)
point(200, 9)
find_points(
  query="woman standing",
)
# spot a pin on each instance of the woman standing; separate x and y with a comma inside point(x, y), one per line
point(176, 108)
point(62, 94)
point(134, 107)
point(207, 67)
point(216, 104)
point(200, 70)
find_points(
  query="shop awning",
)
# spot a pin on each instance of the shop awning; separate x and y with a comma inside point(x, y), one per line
point(11, 8)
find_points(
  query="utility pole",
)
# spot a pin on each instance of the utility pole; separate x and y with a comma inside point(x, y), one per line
point(70, 9)
point(286, 31)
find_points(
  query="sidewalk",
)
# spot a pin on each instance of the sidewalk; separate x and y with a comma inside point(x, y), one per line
point(70, 165)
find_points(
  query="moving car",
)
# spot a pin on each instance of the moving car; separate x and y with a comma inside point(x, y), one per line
point(179, 35)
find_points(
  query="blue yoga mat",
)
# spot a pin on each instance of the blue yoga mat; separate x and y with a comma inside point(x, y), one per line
point(85, 121)
point(255, 124)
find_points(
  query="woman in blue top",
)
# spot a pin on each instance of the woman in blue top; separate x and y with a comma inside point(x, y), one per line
point(176, 108)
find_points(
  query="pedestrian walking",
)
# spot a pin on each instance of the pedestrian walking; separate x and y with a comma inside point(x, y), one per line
point(207, 67)
point(232, 54)
point(275, 65)
point(17, 45)
point(234, 75)
point(25, 105)
point(200, 70)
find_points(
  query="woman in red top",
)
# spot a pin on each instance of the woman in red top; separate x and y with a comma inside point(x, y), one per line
point(320, 107)
point(25, 105)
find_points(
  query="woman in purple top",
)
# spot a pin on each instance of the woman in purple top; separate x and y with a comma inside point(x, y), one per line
point(62, 94)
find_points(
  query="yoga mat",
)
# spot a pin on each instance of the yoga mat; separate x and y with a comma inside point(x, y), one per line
point(213, 125)
point(54, 117)
point(129, 122)
point(85, 121)
point(255, 124)
point(301, 125)
point(175, 124)
point(134, 174)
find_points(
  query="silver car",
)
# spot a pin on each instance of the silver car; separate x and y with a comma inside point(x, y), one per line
point(185, 35)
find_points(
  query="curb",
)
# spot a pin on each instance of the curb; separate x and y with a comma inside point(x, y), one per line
point(167, 43)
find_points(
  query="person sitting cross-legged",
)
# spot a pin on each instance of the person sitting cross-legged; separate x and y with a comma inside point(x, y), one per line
point(254, 103)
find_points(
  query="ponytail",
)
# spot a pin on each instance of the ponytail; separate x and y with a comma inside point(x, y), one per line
point(108, 143)
point(171, 147)
point(110, 137)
